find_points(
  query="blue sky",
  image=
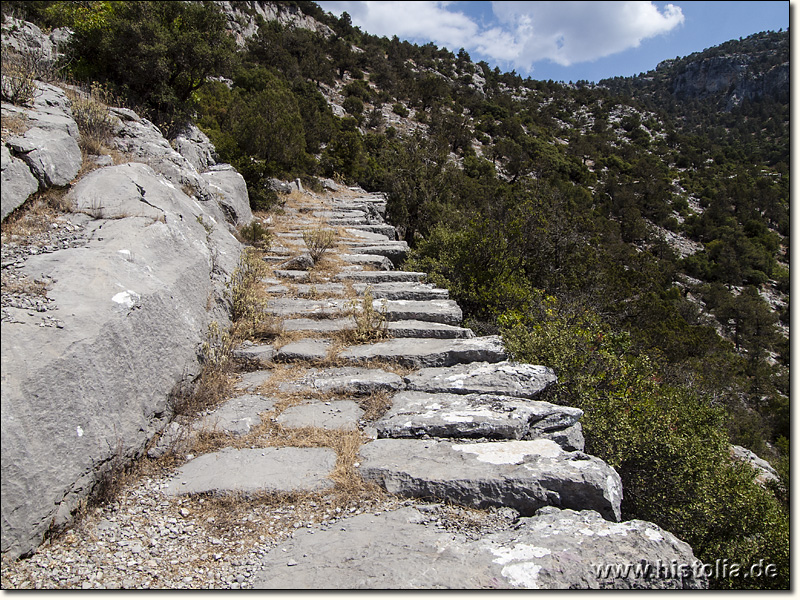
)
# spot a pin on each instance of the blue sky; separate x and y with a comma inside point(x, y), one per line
point(568, 41)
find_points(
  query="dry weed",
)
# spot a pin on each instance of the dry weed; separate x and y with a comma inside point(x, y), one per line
point(36, 215)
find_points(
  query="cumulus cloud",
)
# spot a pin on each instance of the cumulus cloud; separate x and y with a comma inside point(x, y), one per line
point(523, 32)
point(574, 32)
point(415, 21)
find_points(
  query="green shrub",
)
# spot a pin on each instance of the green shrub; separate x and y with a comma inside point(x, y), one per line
point(319, 241)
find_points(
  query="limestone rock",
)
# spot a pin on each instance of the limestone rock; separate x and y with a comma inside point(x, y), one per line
point(54, 157)
point(283, 469)
point(433, 352)
point(415, 414)
point(230, 191)
point(135, 299)
point(523, 475)
point(508, 378)
point(238, 415)
point(766, 472)
point(346, 380)
point(194, 146)
point(18, 183)
point(401, 549)
point(337, 414)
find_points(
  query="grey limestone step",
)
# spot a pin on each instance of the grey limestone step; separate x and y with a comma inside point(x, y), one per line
point(238, 415)
point(400, 290)
point(356, 381)
point(408, 549)
point(337, 414)
point(491, 416)
point(386, 230)
point(395, 329)
point(284, 469)
point(375, 261)
point(523, 475)
point(394, 251)
point(508, 378)
point(374, 277)
point(368, 236)
point(311, 349)
point(435, 311)
point(419, 353)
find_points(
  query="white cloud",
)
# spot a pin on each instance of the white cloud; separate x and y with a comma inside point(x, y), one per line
point(416, 21)
point(574, 32)
point(524, 32)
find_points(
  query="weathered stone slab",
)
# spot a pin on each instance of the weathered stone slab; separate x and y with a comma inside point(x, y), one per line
point(346, 380)
point(17, 182)
point(386, 230)
point(433, 352)
point(492, 416)
point(424, 329)
point(314, 290)
point(375, 261)
point(506, 378)
point(396, 329)
point(368, 236)
point(338, 414)
point(766, 472)
point(436, 311)
point(238, 415)
point(255, 469)
point(319, 325)
point(523, 475)
point(250, 382)
point(382, 276)
point(292, 274)
point(308, 349)
point(404, 549)
point(254, 354)
point(394, 251)
point(399, 290)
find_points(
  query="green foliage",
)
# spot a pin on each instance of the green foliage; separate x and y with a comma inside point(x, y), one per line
point(156, 53)
point(668, 444)
point(255, 234)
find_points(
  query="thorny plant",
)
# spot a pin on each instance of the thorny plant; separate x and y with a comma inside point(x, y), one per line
point(371, 324)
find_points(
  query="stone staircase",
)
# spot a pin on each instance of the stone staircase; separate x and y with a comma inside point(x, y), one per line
point(459, 425)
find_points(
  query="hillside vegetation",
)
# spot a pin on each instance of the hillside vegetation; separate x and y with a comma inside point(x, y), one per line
point(632, 234)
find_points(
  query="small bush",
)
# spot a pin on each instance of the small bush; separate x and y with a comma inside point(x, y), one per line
point(18, 79)
point(95, 123)
point(399, 110)
point(319, 241)
point(247, 305)
point(256, 234)
point(370, 323)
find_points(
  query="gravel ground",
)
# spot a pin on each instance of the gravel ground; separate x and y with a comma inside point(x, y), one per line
point(145, 540)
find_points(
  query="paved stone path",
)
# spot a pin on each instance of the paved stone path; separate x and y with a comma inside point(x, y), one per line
point(426, 459)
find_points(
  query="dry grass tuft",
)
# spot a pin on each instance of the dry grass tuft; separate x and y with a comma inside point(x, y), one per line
point(375, 405)
point(36, 215)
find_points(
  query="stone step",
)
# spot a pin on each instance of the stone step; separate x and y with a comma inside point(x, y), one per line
point(506, 378)
point(401, 290)
point(292, 274)
point(523, 475)
point(345, 380)
point(308, 350)
point(386, 230)
point(374, 277)
point(491, 416)
point(395, 329)
point(368, 236)
point(337, 414)
point(394, 251)
point(419, 353)
point(408, 549)
point(435, 311)
point(285, 469)
point(374, 261)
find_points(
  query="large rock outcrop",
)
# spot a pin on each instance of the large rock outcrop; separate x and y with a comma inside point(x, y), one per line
point(86, 382)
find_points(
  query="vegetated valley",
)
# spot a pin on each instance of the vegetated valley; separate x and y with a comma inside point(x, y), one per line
point(632, 234)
